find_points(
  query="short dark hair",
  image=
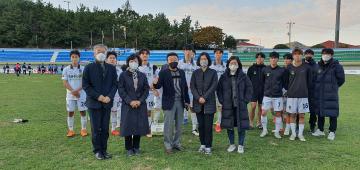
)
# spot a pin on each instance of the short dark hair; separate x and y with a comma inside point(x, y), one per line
point(133, 57)
point(234, 58)
point(219, 49)
point(274, 54)
point(207, 57)
point(171, 54)
point(297, 50)
point(189, 47)
point(144, 50)
point(327, 51)
point(288, 56)
point(111, 53)
point(262, 55)
point(76, 52)
point(309, 51)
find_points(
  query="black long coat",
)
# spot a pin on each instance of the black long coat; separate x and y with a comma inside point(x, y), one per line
point(244, 94)
point(329, 78)
point(133, 121)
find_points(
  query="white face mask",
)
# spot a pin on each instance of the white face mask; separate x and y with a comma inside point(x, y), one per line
point(133, 65)
point(326, 57)
point(233, 67)
point(203, 63)
point(100, 57)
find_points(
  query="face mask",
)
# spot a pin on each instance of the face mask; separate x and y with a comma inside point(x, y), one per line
point(173, 65)
point(233, 67)
point(325, 57)
point(204, 63)
point(308, 58)
point(133, 65)
point(100, 57)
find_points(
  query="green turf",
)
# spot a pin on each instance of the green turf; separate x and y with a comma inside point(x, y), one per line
point(41, 143)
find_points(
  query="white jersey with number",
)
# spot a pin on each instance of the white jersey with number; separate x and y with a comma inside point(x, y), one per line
point(117, 99)
point(219, 68)
point(148, 71)
point(188, 68)
point(73, 75)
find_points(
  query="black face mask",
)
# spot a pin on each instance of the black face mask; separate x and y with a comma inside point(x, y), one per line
point(308, 58)
point(173, 65)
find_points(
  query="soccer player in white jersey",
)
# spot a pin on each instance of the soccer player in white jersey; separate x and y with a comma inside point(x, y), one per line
point(220, 67)
point(111, 58)
point(189, 66)
point(75, 95)
point(148, 70)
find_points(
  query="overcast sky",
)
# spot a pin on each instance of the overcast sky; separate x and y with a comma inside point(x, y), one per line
point(261, 21)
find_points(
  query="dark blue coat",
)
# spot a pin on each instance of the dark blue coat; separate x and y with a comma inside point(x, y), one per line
point(329, 78)
point(244, 94)
point(95, 83)
point(133, 121)
point(168, 96)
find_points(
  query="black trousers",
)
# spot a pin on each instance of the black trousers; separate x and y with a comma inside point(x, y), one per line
point(100, 119)
point(132, 142)
point(332, 121)
point(205, 128)
point(312, 121)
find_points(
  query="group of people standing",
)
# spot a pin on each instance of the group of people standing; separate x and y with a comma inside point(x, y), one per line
point(202, 88)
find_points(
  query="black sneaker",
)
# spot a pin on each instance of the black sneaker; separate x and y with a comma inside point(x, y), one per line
point(130, 153)
point(136, 151)
point(107, 155)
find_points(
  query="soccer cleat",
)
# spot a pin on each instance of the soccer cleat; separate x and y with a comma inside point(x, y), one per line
point(115, 133)
point(301, 138)
point(240, 149)
point(231, 148)
point(83, 133)
point(218, 128)
point(149, 135)
point(195, 132)
point(292, 137)
point(202, 149)
point(331, 136)
point(277, 135)
point(70, 133)
point(318, 132)
point(263, 133)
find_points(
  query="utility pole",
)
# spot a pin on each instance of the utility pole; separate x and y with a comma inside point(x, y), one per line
point(337, 25)
point(91, 39)
point(290, 23)
point(102, 37)
point(113, 36)
point(124, 29)
point(68, 24)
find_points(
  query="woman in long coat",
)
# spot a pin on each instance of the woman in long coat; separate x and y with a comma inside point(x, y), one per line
point(203, 87)
point(234, 92)
point(133, 89)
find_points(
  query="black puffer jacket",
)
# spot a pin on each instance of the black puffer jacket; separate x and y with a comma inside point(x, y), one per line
point(330, 77)
point(244, 94)
point(254, 73)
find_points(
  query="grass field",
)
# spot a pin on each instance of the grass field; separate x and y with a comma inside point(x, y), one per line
point(41, 143)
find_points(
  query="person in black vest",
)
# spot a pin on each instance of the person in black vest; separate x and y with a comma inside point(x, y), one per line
point(203, 86)
point(254, 73)
point(174, 99)
point(330, 76)
point(100, 84)
point(234, 92)
point(133, 89)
